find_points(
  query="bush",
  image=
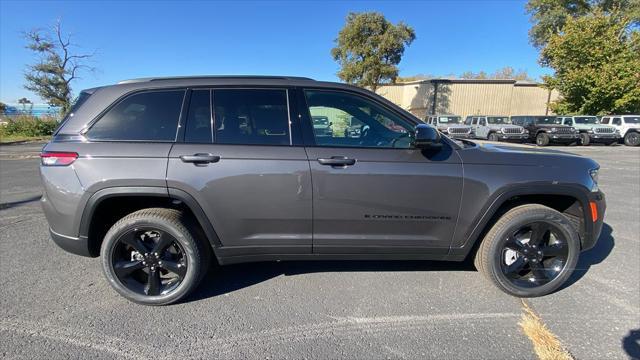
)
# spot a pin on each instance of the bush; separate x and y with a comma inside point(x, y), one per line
point(26, 125)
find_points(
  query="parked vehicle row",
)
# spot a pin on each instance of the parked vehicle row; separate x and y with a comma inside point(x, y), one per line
point(542, 130)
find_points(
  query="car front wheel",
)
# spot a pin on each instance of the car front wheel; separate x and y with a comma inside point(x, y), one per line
point(494, 137)
point(151, 258)
point(530, 251)
point(584, 139)
point(542, 139)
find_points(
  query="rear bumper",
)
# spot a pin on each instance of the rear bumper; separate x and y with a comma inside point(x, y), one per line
point(74, 245)
point(591, 237)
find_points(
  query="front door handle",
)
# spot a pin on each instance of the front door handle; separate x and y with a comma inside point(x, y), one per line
point(337, 161)
point(200, 158)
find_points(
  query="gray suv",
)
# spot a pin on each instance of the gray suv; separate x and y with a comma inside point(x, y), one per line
point(160, 177)
point(496, 128)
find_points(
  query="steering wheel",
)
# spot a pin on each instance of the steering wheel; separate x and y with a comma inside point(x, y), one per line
point(402, 136)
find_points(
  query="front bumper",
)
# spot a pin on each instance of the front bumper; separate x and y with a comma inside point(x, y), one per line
point(513, 137)
point(74, 245)
point(563, 137)
point(591, 237)
point(460, 136)
point(595, 137)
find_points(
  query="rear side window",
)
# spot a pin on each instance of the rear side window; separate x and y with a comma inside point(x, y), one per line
point(76, 105)
point(146, 116)
point(199, 119)
point(251, 116)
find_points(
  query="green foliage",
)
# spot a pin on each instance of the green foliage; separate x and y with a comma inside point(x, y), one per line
point(506, 72)
point(550, 16)
point(596, 62)
point(57, 66)
point(369, 48)
point(28, 126)
point(3, 106)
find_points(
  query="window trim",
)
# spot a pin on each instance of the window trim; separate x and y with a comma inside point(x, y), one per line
point(306, 123)
point(122, 98)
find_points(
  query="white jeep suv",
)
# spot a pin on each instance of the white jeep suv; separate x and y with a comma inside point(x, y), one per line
point(627, 125)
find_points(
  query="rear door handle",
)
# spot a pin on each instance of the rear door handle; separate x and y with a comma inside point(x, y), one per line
point(200, 158)
point(337, 161)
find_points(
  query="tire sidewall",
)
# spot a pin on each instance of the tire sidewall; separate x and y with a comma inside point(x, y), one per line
point(573, 244)
point(493, 137)
point(584, 139)
point(542, 139)
point(185, 240)
point(629, 135)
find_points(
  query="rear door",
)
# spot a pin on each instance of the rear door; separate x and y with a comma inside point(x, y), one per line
point(241, 158)
point(375, 193)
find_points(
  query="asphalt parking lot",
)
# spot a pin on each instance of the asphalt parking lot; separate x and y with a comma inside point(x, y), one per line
point(57, 305)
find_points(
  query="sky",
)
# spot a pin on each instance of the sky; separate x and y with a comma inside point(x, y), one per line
point(170, 38)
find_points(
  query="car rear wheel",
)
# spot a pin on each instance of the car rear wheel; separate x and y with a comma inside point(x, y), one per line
point(542, 139)
point(530, 251)
point(151, 258)
point(494, 137)
point(584, 139)
point(632, 138)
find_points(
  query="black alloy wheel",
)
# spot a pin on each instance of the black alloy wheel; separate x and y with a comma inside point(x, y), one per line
point(149, 261)
point(534, 255)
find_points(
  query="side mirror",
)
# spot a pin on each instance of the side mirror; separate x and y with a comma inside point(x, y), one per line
point(427, 137)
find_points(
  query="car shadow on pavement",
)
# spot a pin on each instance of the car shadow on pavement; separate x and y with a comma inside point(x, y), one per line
point(226, 279)
point(595, 255)
point(631, 344)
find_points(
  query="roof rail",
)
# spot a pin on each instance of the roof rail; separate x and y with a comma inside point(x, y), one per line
point(266, 77)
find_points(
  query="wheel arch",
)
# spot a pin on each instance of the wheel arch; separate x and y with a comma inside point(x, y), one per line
point(568, 199)
point(108, 205)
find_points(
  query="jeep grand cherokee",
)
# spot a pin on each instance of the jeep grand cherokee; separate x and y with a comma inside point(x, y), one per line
point(159, 177)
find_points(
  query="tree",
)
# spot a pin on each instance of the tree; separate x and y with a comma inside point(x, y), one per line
point(506, 72)
point(3, 107)
point(24, 102)
point(369, 48)
point(550, 16)
point(415, 77)
point(56, 68)
point(597, 65)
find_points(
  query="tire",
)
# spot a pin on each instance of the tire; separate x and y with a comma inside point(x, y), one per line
point(184, 251)
point(632, 138)
point(490, 257)
point(542, 139)
point(493, 137)
point(584, 139)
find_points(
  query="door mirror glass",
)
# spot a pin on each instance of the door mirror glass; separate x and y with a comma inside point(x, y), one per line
point(427, 137)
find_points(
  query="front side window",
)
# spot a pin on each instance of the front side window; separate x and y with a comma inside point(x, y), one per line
point(604, 120)
point(567, 121)
point(356, 121)
point(616, 121)
point(251, 116)
point(146, 116)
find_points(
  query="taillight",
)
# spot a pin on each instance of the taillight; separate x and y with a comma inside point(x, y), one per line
point(55, 158)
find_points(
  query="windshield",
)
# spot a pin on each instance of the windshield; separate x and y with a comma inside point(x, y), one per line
point(498, 120)
point(549, 120)
point(632, 119)
point(450, 120)
point(320, 120)
point(586, 120)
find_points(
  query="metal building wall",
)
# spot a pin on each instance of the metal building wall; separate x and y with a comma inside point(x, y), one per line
point(468, 97)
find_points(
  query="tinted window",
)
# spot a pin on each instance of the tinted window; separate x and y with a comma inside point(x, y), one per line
point(632, 119)
point(616, 121)
point(151, 116)
point(256, 117)
point(84, 96)
point(376, 126)
point(198, 127)
point(567, 121)
point(604, 120)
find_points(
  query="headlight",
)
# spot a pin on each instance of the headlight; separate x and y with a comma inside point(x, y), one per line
point(594, 176)
point(590, 131)
point(526, 131)
point(499, 131)
point(554, 129)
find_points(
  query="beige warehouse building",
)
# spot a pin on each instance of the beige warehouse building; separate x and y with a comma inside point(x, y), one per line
point(469, 97)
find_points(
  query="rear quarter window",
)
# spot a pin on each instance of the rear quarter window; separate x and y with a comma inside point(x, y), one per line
point(145, 116)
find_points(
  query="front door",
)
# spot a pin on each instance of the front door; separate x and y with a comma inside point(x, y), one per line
point(375, 193)
point(240, 161)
